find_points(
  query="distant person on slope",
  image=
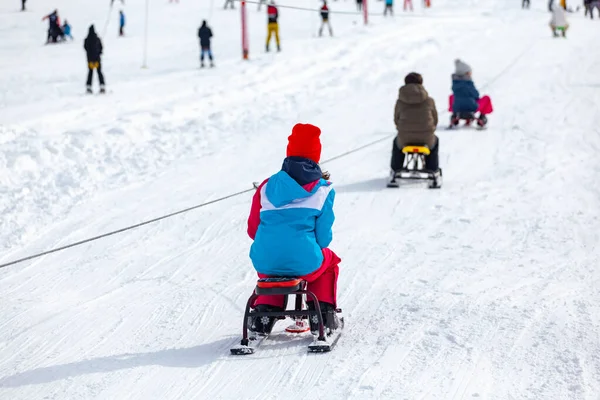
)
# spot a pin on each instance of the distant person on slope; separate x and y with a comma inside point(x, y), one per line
point(466, 100)
point(325, 19)
point(205, 34)
point(121, 23)
point(273, 25)
point(559, 21)
point(590, 6)
point(416, 119)
point(54, 30)
point(291, 223)
point(23, 5)
point(359, 5)
point(526, 4)
point(389, 7)
point(93, 49)
point(66, 28)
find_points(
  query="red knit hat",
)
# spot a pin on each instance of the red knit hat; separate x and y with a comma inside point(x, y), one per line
point(304, 142)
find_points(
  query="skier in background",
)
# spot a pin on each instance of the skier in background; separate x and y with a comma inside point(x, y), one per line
point(121, 23)
point(389, 6)
point(66, 28)
point(587, 4)
point(273, 25)
point(526, 4)
point(229, 2)
point(408, 4)
point(93, 49)
point(54, 30)
point(325, 19)
point(559, 21)
point(23, 5)
point(205, 34)
point(359, 5)
point(593, 4)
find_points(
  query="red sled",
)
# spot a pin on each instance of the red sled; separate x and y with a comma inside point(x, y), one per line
point(485, 105)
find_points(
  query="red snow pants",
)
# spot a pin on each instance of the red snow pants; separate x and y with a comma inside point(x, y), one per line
point(322, 282)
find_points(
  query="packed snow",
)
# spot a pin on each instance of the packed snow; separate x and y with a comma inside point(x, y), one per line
point(485, 289)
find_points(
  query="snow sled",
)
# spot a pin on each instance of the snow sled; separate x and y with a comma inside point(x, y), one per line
point(485, 108)
point(414, 168)
point(323, 342)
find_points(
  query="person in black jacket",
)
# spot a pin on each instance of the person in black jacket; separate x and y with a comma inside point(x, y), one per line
point(205, 34)
point(54, 30)
point(93, 48)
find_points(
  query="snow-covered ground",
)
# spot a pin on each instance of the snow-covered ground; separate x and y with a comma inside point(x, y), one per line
point(487, 289)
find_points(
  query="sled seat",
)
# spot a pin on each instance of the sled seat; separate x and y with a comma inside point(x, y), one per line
point(416, 149)
point(279, 285)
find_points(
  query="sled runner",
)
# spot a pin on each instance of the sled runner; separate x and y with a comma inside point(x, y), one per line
point(414, 168)
point(324, 340)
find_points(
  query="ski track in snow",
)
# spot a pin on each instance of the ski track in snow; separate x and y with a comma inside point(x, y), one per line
point(485, 289)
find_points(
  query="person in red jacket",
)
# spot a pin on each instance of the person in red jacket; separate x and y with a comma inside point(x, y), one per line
point(273, 25)
point(325, 19)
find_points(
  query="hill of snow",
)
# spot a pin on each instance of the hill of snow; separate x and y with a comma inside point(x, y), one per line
point(486, 289)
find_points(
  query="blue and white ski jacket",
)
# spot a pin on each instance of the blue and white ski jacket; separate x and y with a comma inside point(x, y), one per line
point(291, 220)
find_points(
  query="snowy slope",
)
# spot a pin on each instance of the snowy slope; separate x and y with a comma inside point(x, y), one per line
point(486, 289)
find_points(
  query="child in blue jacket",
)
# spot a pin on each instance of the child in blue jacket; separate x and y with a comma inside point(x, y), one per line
point(66, 28)
point(466, 97)
point(291, 224)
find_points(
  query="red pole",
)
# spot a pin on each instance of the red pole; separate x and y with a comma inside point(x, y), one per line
point(244, 32)
point(366, 11)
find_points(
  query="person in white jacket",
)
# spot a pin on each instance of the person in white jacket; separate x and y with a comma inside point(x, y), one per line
point(559, 21)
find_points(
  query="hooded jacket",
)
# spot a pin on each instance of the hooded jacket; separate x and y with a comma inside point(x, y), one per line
point(466, 97)
point(92, 46)
point(559, 16)
point(291, 220)
point(205, 34)
point(415, 116)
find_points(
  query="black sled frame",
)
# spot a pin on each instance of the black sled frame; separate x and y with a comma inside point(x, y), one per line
point(414, 168)
point(281, 286)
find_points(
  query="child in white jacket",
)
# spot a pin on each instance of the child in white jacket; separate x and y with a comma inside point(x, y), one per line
point(559, 20)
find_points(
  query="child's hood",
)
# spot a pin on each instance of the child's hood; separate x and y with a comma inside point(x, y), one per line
point(289, 184)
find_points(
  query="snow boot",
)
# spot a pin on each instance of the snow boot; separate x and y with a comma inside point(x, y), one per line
point(102, 90)
point(330, 318)
point(482, 121)
point(263, 325)
point(88, 90)
point(454, 120)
